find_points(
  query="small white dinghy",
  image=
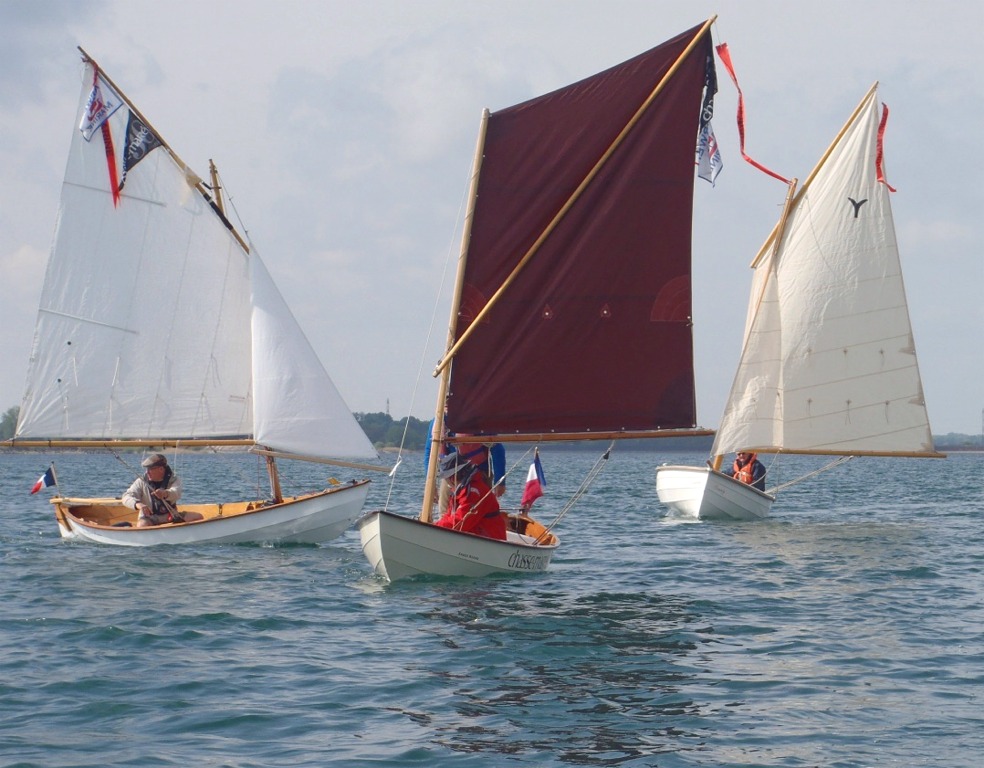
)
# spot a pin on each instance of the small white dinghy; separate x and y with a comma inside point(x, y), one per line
point(829, 364)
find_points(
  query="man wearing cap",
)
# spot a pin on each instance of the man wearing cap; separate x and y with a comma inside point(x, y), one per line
point(155, 495)
point(472, 507)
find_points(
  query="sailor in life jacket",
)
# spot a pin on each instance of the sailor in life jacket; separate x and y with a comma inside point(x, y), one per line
point(749, 470)
point(472, 507)
point(490, 459)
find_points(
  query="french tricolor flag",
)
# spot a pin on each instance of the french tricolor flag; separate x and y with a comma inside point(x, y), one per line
point(535, 483)
point(46, 480)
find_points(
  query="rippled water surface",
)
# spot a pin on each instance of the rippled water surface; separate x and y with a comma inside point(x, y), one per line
point(846, 630)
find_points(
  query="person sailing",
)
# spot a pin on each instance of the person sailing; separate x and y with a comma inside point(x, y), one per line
point(749, 470)
point(472, 507)
point(155, 495)
point(490, 458)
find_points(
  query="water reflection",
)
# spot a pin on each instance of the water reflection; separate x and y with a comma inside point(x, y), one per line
point(621, 665)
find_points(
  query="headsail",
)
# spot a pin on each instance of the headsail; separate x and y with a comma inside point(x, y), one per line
point(296, 407)
point(829, 363)
point(594, 334)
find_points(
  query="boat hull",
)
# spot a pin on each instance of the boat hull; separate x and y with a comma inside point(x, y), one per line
point(308, 519)
point(398, 547)
point(704, 494)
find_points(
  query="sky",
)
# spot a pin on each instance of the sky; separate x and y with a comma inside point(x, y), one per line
point(344, 133)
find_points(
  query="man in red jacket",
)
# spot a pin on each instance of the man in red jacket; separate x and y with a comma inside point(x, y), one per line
point(472, 507)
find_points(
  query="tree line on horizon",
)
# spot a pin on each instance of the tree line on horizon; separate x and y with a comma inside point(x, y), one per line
point(386, 432)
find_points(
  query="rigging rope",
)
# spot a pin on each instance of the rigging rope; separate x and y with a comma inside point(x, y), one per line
point(423, 354)
point(583, 488)
point(835, 463)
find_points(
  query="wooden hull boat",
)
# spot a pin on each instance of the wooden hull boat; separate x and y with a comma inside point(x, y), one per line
point(308, 519)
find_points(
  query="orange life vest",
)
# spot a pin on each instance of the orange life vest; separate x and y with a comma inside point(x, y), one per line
point(745, 474)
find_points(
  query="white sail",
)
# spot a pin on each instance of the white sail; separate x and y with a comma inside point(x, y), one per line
point(829, 363)
point(147, 327)
point(143, 325)
point(297, 408)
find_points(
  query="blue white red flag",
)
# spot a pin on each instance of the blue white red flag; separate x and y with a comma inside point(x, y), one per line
point(535, 483)
point(46, 480)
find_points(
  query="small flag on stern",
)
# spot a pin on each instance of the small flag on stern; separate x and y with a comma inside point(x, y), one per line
point(46, 480)
point(535, 483)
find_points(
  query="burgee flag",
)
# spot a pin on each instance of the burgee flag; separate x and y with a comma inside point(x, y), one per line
point(103, 102)
point(46, 480)
point(535, 483)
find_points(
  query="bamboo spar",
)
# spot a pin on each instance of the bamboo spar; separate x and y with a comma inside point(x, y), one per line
point(430, 482)
point(443, 363)
point(816, 169)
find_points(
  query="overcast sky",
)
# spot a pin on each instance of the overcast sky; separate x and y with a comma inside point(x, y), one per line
point(344, 132)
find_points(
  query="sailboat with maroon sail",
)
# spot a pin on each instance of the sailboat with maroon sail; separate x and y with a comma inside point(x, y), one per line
point(571, 315)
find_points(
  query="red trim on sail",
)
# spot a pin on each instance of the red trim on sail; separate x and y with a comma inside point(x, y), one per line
point(725, 55)
point(111, 162)
point(880, 153)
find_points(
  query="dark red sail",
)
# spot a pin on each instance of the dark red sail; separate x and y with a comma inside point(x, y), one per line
point(594, 334)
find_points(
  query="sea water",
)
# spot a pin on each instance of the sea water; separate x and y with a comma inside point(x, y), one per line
point(845, 630)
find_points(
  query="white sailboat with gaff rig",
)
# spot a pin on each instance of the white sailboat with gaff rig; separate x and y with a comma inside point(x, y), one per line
point(828, 365)
point(160, 328)
point(571, 313)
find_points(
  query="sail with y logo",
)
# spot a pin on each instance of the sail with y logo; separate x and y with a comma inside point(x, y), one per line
point(828, 364)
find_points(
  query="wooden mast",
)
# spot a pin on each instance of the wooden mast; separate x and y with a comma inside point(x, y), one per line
point(437, 433)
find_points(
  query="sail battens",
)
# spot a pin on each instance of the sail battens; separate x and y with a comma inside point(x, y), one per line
point(131, 197)
point(43, 310)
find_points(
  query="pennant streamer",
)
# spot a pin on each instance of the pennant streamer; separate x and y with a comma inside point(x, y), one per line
point(880, 154)
point(725, 55)
point(103, 102)
point(709, 162)
point(140, 141)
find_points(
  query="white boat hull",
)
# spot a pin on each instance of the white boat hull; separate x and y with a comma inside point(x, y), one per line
point(309, 519)
point(704, 494)
point(398, 547)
